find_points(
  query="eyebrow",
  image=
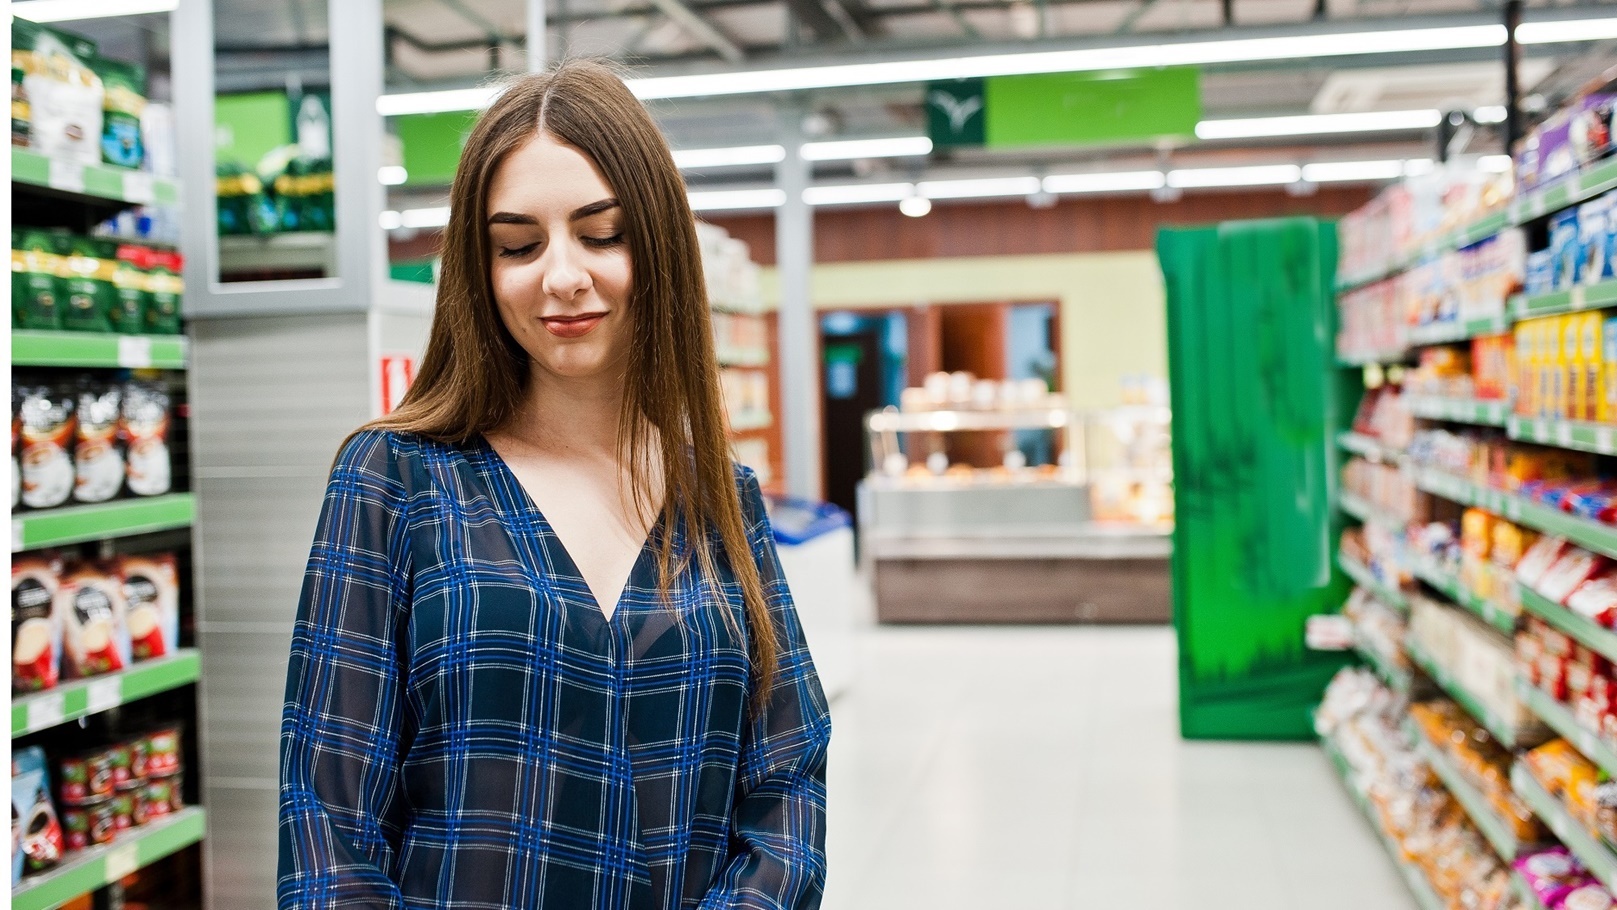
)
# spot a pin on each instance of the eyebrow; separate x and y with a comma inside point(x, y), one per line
point(578, 214)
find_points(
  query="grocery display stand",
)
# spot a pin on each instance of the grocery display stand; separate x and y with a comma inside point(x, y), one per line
point(95, 190)
point(1598, 858)
point(1494, 828)
point(1425, 897)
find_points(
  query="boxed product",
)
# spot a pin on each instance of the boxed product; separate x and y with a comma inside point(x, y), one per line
point(63, 92)
point(1594, 264)
point(1565, 252)
point(36, 833)
point(1608, 371)
point(94, 618)
point(45, 445)
point(152, 590)
point(1591, 356)
point(1572, 137)
point(36, 631)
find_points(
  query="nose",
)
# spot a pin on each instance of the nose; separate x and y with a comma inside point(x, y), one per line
point(565, 276)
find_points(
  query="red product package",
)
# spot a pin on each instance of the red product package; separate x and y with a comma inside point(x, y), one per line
point(1570, 572)
point(1596, 599)
point(1539, 558)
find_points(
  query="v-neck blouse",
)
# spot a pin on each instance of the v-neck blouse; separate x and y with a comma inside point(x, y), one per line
point(464, 728)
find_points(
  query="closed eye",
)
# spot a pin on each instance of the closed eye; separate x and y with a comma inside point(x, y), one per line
point(517, 252)
point(614, 240)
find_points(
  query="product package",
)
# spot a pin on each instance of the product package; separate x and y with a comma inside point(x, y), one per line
point(131, 283)
point(145, 428)
point(152, 590)
point(36, 840)
point(36, 632)
point(1594, 263)
point(98, 458)
point(164, 289)
point(1565, 252)
point(63, 91)
point(92, 298)
point(123, 103)
point(95, 630)
point(36, 286)
point(46, 446)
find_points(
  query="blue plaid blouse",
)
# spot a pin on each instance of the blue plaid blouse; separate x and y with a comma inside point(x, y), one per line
point(465, 729)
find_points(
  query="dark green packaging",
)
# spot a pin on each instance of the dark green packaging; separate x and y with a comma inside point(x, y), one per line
point(21, 111)
point(37, 295)
point(130, 280)
point(91, 296)
point(123, 103)
point(165, 288)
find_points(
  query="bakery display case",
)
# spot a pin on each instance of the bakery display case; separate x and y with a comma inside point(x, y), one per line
point(1021, 510)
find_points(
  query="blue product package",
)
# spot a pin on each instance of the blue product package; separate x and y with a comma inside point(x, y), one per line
point(1564, 248)
point(1592, 253)
point(1540, 273)
point(36, 835)
point(1610, 239)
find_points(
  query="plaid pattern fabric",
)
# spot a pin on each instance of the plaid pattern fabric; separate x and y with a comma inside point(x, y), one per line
point(465, 729)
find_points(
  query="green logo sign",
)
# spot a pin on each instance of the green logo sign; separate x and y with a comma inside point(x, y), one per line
point(956, 112)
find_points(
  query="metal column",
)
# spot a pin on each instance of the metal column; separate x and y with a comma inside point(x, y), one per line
point(799, 335)
point(538, 39)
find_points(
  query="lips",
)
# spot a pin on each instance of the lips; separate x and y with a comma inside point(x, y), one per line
point(573, 326)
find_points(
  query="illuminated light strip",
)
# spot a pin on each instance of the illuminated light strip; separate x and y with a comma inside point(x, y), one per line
point(730, 200)
point(734, 156)
point(1259, 175)
point(70, 10)
point(848, 149)
point(1315, 124)
point(1117, 182)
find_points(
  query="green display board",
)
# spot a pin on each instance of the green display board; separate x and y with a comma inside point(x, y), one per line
point(432, 144)
point(1071, 109)
point(249, 126)
point(1257, 401)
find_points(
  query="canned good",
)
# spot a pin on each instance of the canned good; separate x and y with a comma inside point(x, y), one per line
point(157, 799)
point(139, 751)
point(87, 777)
point(163, 751)
point(89, 826)
point(123, 811)
point(122, 775)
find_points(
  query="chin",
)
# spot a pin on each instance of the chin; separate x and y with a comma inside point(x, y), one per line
point(576, 364)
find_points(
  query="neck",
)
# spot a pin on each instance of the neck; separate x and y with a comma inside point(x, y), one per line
point(564, 414)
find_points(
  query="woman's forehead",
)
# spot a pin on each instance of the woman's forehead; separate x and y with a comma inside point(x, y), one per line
point(544, 174)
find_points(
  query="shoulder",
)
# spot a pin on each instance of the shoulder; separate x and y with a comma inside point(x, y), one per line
point(750, 493)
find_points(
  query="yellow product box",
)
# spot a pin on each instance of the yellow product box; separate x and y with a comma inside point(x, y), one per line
point(1549, 368)
point(1591, 354)
point(1523, 379)
point(1607, 411)
point(1571, 366)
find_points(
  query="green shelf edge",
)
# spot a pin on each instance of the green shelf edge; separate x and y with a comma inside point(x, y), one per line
point(1581, 531)
point(1414, 879)
point(1449, 333)
point(120, 518)
point(1560, 719)
point(1459, 410)
point(1583, 630)
point(101, 182)
point(1449, 586)
point(1362, 576)
point(1599, 861)
point(1493, 828)
point(1363, 360)
point(1576, 300)
point(88, 870)
point(89, 349)
point(1506, 736)
point(1525, 892)
point(1600, 438)
point(142, 680)
point(1368, 446)
point(1398, 680)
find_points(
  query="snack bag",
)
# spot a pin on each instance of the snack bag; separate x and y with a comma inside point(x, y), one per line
point(145, 427)
point(1539, 557)
point(1596, 599)
point(1570, 571)
point(98, 458)
point(36, 632)
point(152, 588)
point(47, 436)
point(63, 91)
point(37, 845)
point(95, 631)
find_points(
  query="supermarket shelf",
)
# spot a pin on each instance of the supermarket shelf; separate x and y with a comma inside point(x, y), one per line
point(1414, 878)
point(1362, 509)
point(1365, 359)
point(1559, 718)
point(1459, 410)
point(1397, 678)
point(1450, 587)
point(1370, 447)
point(743, 357)
point(1525, 892)
point(83, 697)
point(97, 182)
point(1568, 434)
point(1590, 535)
point(98, 867)
point(1584, 845)
point(1449, 332)
point(119, 518)
point(1581, 628)
point(90, 349)
point(1572, 188)
point(1482, 813)
point(1361, 575)
point(1582, 297)
point(1503, 732)
point(302, 251)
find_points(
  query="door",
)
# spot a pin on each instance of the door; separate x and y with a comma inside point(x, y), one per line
point(852, 388)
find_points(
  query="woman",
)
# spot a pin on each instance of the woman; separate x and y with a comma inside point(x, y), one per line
point(544, 655)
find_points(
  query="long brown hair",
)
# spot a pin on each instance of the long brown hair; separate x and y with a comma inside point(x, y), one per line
point(474, 375)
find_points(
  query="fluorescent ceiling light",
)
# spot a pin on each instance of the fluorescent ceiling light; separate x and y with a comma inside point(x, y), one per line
point(854, 193)
point(1493, 113)
point(734, 156)
point(68, 10)
point(729, 200)
point(459, 99)
point(1119, 182)
point(978, 188)
point(1261, 175)
point(424, 218)
point(1312, 124)
point(390, 221)
point(1353, 171)
point(848, 149)
point(392, 175)
point(1494, 164)
point(1566, 31)
point(915, 206)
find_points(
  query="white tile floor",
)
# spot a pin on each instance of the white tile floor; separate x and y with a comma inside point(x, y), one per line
point(1042, 768)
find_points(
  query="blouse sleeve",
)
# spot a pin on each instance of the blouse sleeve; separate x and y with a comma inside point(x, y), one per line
point(777, 853)
point(343, 733)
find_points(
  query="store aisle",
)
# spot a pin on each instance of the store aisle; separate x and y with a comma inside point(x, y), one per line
point(1041, 768)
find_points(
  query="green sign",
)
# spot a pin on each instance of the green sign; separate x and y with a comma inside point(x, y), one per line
point(1101, 108)
point(432, 144)
point(1256, 405)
